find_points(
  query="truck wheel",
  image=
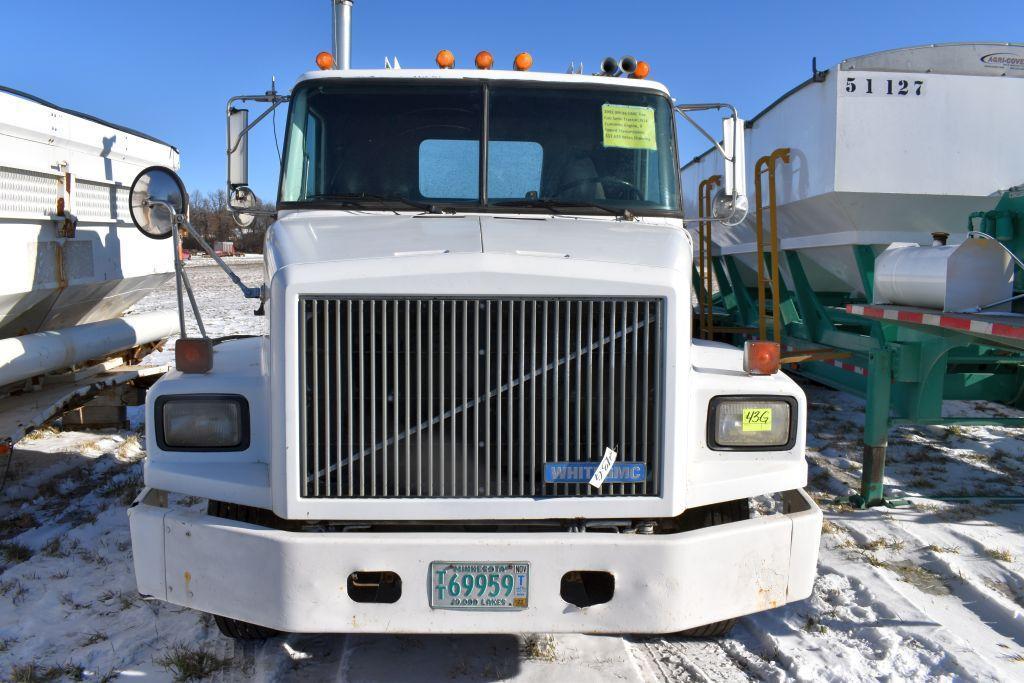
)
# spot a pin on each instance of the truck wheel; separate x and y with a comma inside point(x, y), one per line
point(233, 628)
point(243, 630)
point(713, 515)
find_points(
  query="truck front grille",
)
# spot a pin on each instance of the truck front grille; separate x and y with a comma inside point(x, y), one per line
point(470, 397)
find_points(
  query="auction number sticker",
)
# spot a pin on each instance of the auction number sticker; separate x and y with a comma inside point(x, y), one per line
point(757, 419)
point(887, 86)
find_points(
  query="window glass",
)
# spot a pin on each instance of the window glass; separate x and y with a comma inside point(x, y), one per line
point(380, 141)
point(591, 148)
point(513, 169)
point(449, 169)
point(608, 146)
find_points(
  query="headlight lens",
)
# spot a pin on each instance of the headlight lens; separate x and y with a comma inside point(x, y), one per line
point(751, 423)
point(202, 423)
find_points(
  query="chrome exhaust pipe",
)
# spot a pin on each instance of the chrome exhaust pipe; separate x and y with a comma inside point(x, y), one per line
point(627, 65)
point(609, 67)
point(342, 11)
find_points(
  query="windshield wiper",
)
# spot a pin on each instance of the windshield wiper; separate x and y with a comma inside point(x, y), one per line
point(555, 204)
point(358, 200)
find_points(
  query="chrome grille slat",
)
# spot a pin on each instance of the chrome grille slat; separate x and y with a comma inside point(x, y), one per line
point(515, 378)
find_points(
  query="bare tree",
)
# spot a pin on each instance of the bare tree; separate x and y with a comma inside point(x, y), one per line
point(212, 219)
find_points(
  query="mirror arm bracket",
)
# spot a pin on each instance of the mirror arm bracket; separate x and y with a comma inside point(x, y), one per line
point(700, 129)
point(247, 291)
point(682, 110)
point(271, 96)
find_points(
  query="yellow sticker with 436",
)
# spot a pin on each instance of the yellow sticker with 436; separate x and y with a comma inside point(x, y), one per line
point(757, 419)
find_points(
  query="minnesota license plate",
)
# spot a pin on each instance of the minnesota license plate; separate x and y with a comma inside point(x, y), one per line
point(480, 585)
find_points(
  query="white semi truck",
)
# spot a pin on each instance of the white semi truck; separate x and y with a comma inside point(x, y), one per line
point(480, 406)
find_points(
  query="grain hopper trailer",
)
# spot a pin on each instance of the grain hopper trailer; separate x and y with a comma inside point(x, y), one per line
point(74, 262)
point(480, 406)
point(887, 179)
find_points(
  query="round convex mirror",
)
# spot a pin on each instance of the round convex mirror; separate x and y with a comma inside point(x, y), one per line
point(157, 195)
point(728, 209)
point(242, 198)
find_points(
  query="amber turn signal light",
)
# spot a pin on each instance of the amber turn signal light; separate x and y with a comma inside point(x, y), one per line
point(642, 70)
point(761, 357)
point(484, 60)
point(445, 59)
point(325, 60)
point(523, 61)
point(193, 356)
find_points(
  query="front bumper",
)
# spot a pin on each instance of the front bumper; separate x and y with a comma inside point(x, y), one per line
point(297, 582)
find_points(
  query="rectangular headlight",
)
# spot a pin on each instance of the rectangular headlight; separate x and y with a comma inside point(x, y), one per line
point(752, 423)
point(202, 422)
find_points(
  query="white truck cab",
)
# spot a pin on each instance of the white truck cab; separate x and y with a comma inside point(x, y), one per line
point(480, 406)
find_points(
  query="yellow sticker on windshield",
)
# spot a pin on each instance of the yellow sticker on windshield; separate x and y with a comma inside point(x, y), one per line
point(757, 419)
point(628, 127)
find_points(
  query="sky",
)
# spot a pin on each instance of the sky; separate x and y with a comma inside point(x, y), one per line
point(168, 68)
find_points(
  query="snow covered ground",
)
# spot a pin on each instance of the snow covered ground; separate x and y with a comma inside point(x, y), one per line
point(934, 591)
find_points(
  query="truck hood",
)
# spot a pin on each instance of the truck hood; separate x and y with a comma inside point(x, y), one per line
point(322, 236)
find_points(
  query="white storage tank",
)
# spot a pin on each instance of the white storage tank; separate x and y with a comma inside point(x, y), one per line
point(963, 278)
point(887, 147)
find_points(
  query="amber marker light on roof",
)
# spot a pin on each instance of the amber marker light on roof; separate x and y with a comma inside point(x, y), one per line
point(325, 60)
point(523, 61)
point(643, 69)
point(445, 59)
point(484, 60)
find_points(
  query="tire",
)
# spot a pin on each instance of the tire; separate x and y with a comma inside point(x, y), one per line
point(234, 628)
point(700, 518)
point(243, 630)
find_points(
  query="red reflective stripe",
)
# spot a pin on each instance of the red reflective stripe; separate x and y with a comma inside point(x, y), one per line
point(907, 316)
point(955, 323)
point(1004, 330)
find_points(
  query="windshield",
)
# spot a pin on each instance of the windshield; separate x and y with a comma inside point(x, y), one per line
point(414, 143)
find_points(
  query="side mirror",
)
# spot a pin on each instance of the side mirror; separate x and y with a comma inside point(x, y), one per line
point(238, 148)
point(241, 201)
point(730, 203)
point(156, 199)
point(727, 209)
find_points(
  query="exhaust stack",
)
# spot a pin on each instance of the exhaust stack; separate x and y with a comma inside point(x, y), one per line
point(609, 67)
point(342, 34)
point(627, 65)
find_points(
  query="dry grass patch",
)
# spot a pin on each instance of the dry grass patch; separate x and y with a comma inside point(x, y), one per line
point(15, 553)
point(540, 647)
point(130, 450)
point(951, 549)
point(191, 663)
point(37, 673)
point(93, 638)
point(42, 433)
point(830, 527)
point(891, 543)
point(1001, 554)
point(924, 579)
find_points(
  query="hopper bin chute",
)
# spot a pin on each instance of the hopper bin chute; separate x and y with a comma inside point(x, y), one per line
point(885, 148)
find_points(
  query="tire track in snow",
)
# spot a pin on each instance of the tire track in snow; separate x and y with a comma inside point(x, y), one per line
point(705, 661)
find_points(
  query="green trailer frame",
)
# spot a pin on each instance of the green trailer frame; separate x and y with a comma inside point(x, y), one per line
point(903, 368)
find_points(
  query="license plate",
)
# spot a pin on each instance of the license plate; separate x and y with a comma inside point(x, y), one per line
point(479, 585)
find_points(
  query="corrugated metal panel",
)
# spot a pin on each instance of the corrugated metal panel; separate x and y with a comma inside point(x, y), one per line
point(469, 397)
